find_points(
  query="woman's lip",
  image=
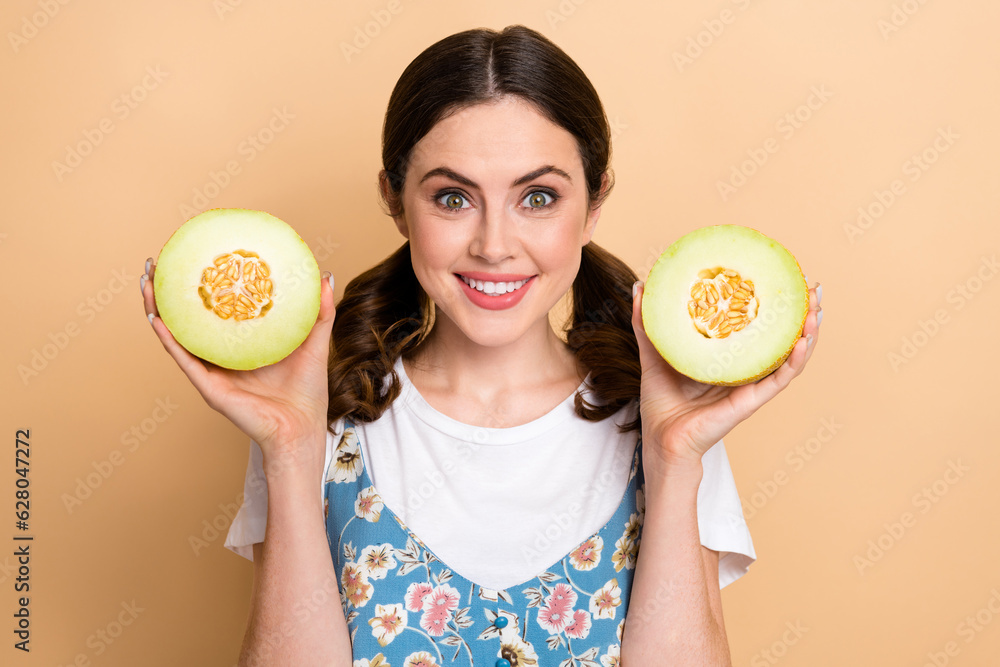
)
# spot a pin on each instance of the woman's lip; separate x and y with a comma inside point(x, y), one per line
point(494, 277)
point(497, 301)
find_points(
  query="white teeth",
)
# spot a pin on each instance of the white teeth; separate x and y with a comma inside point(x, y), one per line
point(493, 288)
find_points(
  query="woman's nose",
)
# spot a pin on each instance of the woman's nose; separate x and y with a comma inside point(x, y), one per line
point(496, 235)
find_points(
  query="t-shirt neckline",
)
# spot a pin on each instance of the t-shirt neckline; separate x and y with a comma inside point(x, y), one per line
point(411, 399)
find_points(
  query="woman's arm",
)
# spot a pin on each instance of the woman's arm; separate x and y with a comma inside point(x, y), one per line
point(675, 608)
point(296, 617)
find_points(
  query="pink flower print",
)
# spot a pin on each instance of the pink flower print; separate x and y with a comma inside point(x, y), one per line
point(558, 610)
point(438, 605)
point(580, 627)
point(389, 621)
point(415, 595)
point(443, 600)
point(434, 624)
point(554, 619)
point(562, 597)
point(586, 556)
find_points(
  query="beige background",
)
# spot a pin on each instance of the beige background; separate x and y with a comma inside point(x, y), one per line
point(867, 569)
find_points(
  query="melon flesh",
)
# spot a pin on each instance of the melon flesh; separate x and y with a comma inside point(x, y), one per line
point(765, 302)
point(238, 288)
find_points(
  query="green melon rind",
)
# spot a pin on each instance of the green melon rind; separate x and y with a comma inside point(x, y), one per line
point(251, 343)
point(735, 360)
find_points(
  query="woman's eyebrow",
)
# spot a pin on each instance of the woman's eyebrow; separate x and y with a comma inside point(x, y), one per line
point(449, 173)
point(455, 176)
point(541, 171)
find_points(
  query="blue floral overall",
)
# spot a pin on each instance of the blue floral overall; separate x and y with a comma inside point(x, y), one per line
point(407, 608)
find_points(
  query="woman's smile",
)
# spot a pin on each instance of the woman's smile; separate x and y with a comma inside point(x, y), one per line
point(494, 291)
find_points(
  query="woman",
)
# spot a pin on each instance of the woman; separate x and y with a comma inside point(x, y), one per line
point(509, 459)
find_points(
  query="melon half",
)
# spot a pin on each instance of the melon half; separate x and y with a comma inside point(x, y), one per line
point(237, 288)
point(725, 305)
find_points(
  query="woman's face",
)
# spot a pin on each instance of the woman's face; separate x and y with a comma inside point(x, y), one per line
point(496, 210)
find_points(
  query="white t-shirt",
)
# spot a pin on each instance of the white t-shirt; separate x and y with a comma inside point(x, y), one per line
point(550, 483)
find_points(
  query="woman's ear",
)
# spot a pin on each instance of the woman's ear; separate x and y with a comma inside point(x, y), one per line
point(594, 213)
point(393, 205)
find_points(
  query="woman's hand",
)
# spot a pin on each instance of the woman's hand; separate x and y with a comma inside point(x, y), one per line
point(684, 417)
point(277, 405)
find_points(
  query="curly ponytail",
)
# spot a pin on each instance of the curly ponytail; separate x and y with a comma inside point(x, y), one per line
point(601, 335)
point(384, 314)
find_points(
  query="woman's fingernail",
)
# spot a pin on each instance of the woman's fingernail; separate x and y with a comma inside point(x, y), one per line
point(809, 340)
point(819, 317)
point(329, 279)
point(819, 293)
point(142, 283)
point(149, 263)
point(149, 316)
point(635, 288)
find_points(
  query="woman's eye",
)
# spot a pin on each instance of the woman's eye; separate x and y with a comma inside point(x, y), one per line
point(538, 200)
point(453, 201)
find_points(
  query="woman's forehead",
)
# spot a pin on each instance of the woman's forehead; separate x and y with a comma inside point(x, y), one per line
point(508, 136)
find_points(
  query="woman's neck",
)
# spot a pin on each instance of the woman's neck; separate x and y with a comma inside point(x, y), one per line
point(494, 387)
